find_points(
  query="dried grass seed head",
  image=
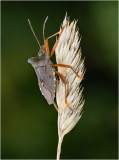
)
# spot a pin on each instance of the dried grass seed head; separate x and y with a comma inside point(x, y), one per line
point(68, 52)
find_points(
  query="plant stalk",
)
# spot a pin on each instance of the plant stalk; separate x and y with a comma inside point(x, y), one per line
point(59, 146)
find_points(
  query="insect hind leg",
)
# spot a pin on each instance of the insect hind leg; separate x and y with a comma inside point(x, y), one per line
point(65, 88)
point(55, 106)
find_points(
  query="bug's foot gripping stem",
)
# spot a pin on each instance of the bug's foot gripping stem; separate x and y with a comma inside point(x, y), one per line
point(55, 106)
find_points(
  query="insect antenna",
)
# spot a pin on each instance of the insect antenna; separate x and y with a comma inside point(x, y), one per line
point(33, 32)
point(44, 28)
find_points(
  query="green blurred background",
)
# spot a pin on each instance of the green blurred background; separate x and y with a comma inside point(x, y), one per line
point(29, 124)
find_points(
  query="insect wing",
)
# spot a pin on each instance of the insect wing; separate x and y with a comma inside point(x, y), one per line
point(46, 76)
point(47, 94)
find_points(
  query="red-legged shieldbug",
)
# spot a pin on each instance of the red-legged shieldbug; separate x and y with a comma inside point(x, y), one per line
point(44, 68)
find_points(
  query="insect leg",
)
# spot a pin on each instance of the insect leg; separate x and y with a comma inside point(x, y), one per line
point(56, 43)
point(52, 35)
point(47, 47)
point(46, 42)
point(55, 106)
point(68, 66)
point(65, 87)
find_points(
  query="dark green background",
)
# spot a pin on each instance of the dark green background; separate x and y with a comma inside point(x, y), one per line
point(29, 124)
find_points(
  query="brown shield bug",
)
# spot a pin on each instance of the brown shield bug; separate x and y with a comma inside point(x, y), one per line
point(44, 68)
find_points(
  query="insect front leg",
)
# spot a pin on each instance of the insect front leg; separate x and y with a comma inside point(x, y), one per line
point(56, 43)
point(46, 43)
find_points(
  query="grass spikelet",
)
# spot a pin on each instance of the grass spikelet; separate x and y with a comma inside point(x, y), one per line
point(68, 52)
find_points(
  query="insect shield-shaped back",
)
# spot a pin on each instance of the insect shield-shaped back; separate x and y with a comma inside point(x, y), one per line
point(45, 74)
